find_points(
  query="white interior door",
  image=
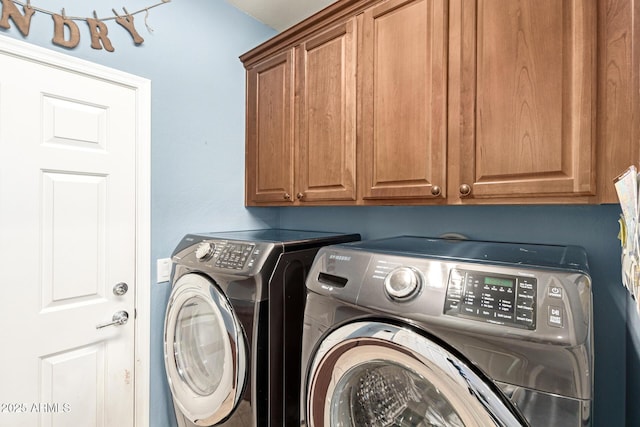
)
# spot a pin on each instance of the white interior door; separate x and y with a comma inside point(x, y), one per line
point(67, 237)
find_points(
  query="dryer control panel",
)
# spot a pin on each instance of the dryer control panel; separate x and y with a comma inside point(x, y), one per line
point(230, 255)
point(224, 256)
point(499, 298)
point(234, 255)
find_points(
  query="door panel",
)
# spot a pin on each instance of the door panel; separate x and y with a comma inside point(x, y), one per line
point(326, 143)
point(62, 217)
point(71, 124)
point(269, 162)
point(404, 110)
point(68, 215)
point(76, 371)
point(523, 97)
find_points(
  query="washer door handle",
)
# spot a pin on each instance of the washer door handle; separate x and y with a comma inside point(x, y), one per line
point(119, 318)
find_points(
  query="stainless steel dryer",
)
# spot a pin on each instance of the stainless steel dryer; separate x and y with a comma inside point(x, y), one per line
point(234, 318)
point(414, 331)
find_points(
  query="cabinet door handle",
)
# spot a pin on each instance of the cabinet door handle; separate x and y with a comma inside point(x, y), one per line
point(436, 190)
point(287, 196)
point(465, 190)
point(299, 196)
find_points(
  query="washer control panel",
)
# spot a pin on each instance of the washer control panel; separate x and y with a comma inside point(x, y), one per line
point(495, 298)
point(536, 293)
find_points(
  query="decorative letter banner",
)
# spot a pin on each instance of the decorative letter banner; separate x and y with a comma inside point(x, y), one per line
point(97, 28)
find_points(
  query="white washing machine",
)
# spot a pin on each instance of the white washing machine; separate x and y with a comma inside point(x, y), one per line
point(414, 331)
point(234, 320)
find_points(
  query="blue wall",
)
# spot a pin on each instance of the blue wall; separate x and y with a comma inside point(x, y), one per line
point(197, 178)
point(633, 365)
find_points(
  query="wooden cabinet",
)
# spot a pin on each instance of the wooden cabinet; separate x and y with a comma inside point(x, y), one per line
point(326, 116)
point(618, 105)
point(302, 148)
point(445, 102)
point(522, 106)
point(269, 151)
point(403, 99)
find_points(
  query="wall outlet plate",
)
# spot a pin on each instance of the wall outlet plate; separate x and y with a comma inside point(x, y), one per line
point(163, 270)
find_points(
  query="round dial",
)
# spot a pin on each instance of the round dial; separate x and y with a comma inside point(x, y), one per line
point(402, 283)
point(204, 251)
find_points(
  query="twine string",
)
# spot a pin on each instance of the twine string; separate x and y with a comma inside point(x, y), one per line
point(81, 18)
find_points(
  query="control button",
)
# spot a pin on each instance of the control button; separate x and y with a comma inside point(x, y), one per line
point(525, 285)
point(524, 314)
point(524, 319)
point(525, 301)
point(469, 310)
point(556, 319)
point(455, 287)
point(555, 292)
point(402, 283)
point(453, 304)
point(204, 251)
point(524, 307)
point(457, 275)
point(504, 316)
point(486, 313)
point(454, 294)
point(526, 293)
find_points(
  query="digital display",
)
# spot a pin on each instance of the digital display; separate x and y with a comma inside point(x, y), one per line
point(496, 281)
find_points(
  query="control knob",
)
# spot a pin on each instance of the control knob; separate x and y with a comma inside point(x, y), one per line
point(204, 251)
point(402, 283)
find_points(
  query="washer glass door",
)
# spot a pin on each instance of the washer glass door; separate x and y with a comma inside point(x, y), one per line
point(378, 374)
point(383, 393)
point(206, 354)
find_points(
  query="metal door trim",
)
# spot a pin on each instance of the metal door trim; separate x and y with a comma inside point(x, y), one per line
point(477, 402)
point(204, 409)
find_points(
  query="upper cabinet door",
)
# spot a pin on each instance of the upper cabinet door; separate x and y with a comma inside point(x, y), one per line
point(269, 154)
point(403, 99)
point(522, 95)
point(326, 100)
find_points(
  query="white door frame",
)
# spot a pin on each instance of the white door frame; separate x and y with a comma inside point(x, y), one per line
point(142, 88)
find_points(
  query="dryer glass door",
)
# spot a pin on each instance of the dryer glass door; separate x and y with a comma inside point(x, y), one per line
point(378, 374)
point(200, 349)
point(206, 356)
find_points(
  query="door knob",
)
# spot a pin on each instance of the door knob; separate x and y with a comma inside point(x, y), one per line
point(119, 318)
point(120, 289)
